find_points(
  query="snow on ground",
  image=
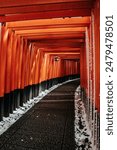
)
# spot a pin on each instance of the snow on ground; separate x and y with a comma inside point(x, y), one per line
point(82, 132)
point(8, 121)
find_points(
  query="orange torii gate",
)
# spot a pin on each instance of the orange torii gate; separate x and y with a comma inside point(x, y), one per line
point(44, 47)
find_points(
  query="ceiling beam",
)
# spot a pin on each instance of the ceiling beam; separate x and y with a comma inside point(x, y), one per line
point(49, 27)
point(66, 55)
point(63, 53)
point(55, 30)
point(62, 49)
point(54, 36)
point(50, 41)
point(45, 7)
point(51, 46)
point(9, 3)
point(46, 15)
point(49, 23)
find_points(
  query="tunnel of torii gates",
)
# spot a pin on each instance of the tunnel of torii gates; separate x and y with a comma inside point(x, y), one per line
point(43, 43)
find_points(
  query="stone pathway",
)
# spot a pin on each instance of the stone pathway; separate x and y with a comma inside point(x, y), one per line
point(49, 125)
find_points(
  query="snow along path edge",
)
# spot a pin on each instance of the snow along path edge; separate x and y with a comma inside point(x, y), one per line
point(19, 112)
point(83, 137)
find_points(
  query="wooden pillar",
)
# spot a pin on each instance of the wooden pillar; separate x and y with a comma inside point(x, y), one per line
point(1, 77)
point(3, 59)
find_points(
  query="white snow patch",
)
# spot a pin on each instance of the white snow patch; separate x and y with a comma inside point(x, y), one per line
point(8, 121)
point(83, 137)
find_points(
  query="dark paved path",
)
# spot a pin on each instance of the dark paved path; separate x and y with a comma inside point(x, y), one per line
point(49, 125)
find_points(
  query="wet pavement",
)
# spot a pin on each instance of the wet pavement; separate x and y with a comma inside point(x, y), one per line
point(49, 125)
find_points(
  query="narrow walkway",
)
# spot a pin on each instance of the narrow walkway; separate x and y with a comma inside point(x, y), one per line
point(49, 125)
